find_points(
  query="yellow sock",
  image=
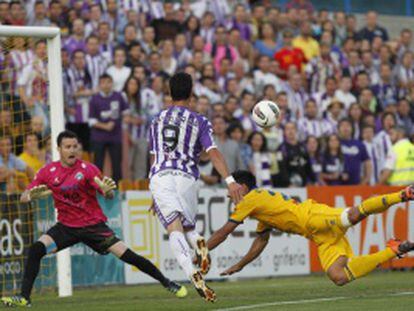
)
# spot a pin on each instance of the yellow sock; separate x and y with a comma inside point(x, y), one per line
point(379, 204)
point(362, 265)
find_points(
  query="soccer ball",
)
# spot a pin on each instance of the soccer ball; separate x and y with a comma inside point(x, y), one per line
point(265, 113)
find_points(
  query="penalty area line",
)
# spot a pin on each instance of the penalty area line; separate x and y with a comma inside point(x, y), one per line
point(297, 302)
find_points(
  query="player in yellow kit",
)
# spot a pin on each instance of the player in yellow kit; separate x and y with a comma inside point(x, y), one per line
point(320, 223)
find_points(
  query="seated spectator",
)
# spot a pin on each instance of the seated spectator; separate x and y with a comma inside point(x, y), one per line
point(96, 62)
point(95, 16)
point(118, 71)
point(80, 92)
point(294, 164)
point(335, 112)
point(246, 120)
point(262, 76)
point(77, 40)
point(319, 69)
point(260, 165)
point(32, 85)
point(289, 56)
point(107, 110)
point(239, 21)
point(305, 42)
point(368, 102)
point(236, 132)
point(398, 168)
point(220, 49)
point(181, 53)
point(166, 27)
point(372, 29)
point(314, 150)
point(136, 56)
point(356, 159)
point(368, 134)
point(232, 110)
point(324, 98)
point(40, 15)
point(333, 165)
point(266, 45)
point(168, 62)
point(137, 125)
point(404, 116)
point(208, 174)
point(14, 171)
point(385, 91)
point(355, 116)
point(343, 93)
point(106, 45)
point(228, 147)
point(203, 106)
point(32, 155)
point(311, 124)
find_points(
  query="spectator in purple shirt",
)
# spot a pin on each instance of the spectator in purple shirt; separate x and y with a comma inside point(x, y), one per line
point(239, 22)
point(356, 160)
point(77, 40)
point(333, 169)
point(107, 109)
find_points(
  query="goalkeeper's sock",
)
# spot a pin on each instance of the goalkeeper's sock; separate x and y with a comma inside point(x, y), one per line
point(145, 266)
point(192, 237)
point(31, 270)
point(181, 251)
point(379, 204)
point(362, 265)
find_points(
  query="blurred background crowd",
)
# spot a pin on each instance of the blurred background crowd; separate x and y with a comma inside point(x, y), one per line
point(345, 91)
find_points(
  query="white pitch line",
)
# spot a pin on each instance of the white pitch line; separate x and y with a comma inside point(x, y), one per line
point(296, 302)
point(281, 303)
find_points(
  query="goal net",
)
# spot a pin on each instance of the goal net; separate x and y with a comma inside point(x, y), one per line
point(30, 70)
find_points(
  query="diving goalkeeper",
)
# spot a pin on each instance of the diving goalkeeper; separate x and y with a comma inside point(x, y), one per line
point(320, 223)
point(73, 184)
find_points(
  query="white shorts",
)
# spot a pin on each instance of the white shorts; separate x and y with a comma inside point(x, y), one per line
point(175, 195)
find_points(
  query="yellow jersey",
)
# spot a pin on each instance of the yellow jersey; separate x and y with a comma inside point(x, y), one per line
point(273, 210)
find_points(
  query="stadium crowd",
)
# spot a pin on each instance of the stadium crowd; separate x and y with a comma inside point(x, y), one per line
point(346, 93)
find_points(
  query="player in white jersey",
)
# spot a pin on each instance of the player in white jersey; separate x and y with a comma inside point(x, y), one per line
point(177, 137)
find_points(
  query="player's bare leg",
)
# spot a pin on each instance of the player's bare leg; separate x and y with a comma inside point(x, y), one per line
point(181, 250)
point(120, 250)
point(198, 243)
point(37, 251)
point(345, 270)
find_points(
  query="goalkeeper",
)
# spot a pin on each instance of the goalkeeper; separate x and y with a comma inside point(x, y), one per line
point(320, 223)
point(73, 184)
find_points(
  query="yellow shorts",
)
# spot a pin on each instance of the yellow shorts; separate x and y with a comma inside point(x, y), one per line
point(325, 228)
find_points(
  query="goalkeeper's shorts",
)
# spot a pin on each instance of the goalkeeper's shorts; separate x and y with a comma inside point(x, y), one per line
point(99, 237)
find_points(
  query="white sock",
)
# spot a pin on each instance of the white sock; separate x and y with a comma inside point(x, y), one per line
point(192, 237)
point(181, 251)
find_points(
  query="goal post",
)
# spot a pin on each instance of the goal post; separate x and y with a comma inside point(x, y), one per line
point(57, 122)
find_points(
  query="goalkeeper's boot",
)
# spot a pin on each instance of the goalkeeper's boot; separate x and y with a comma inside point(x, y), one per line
point(203, 290)
point(16, 301)
point(408, 194)
point(178, 290)
point(400, 248)
point(202, 255)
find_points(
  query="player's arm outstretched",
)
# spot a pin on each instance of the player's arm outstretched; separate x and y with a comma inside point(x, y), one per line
point(107, 186)
point(35, 193)
point(255, 250)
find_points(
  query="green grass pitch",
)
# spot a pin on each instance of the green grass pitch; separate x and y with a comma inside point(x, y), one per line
point(380, 291)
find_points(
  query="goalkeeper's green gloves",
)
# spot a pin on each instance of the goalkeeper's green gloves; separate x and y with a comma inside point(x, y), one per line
point(39, 192)
point(106, 184)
